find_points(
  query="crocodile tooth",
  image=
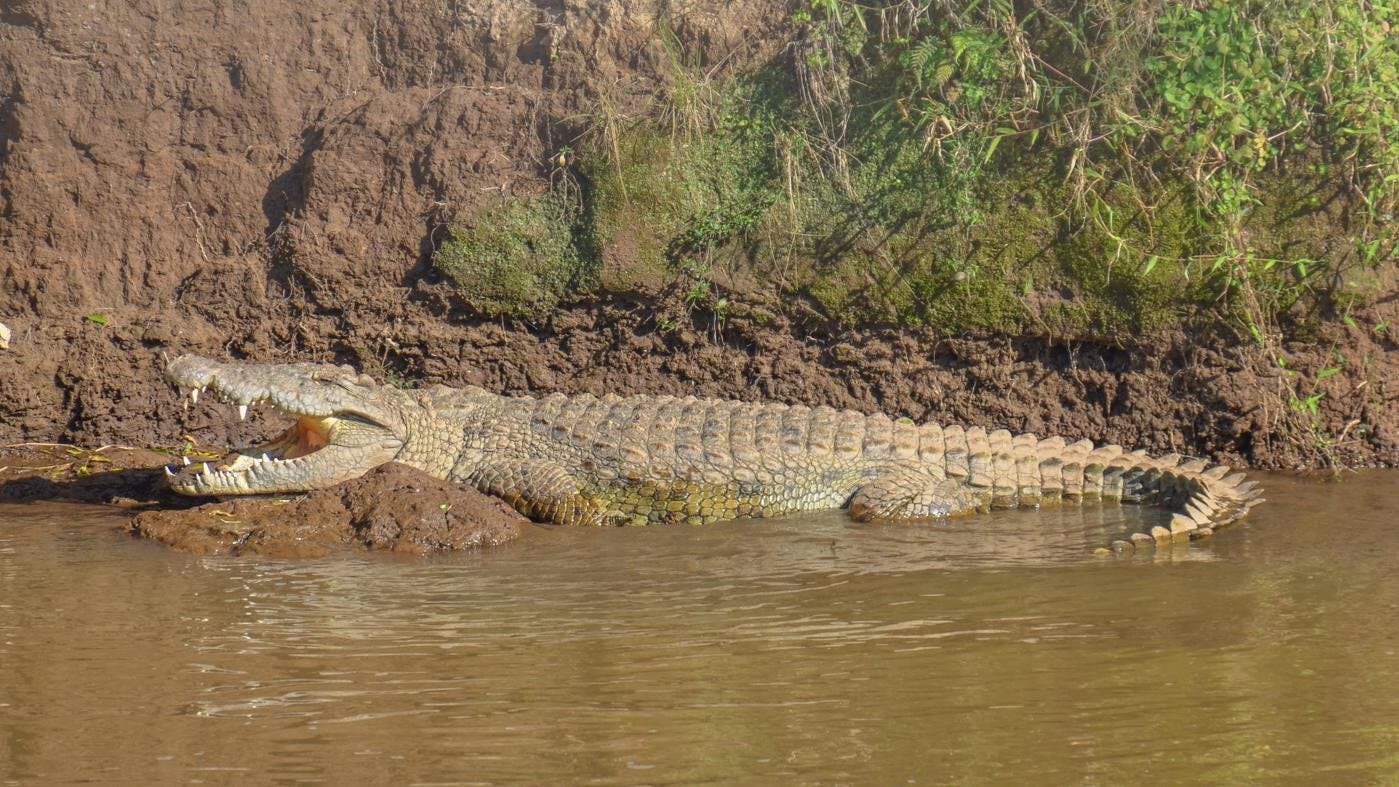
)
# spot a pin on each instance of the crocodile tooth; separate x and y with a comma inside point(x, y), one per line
point(242, 412)
point(186, 460)
point(205, 471)
point(266, 458)
point(169, 472)
point(194, 395)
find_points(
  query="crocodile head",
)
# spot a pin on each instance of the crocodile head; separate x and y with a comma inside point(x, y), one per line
point(345, 424)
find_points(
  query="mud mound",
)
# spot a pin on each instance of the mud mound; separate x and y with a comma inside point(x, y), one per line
point(392, 507)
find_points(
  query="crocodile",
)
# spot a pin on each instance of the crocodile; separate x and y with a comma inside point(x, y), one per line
point(594, 460)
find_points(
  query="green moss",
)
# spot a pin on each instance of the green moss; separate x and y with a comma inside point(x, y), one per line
point(517, 258)
point(635, 204)
point(657, 196)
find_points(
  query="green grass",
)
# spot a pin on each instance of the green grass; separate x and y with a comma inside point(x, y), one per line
point(1109, 167)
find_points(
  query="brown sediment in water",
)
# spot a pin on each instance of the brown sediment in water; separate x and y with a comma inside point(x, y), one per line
point(988, 649)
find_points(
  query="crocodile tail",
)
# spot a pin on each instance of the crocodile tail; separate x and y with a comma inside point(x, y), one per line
point(1024, 470)
point(1201, 497)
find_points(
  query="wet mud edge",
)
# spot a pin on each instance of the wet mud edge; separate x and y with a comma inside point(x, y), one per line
point(391, 508)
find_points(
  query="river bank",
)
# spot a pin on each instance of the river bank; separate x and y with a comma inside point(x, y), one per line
point(278, 186)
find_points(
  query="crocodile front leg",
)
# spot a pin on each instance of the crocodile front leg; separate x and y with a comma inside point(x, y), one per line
point(539, 489)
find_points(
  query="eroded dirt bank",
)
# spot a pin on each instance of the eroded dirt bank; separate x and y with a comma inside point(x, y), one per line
point(267, 181)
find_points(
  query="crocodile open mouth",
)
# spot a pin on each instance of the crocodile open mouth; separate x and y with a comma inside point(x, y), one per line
point(288, 455)
point(326, 444)
point(303, 457)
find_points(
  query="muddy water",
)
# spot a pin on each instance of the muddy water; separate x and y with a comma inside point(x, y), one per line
point(795, 650)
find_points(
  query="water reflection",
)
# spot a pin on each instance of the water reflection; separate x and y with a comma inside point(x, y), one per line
point(812, 649)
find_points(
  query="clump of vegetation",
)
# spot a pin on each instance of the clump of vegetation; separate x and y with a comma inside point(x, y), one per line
point(676, 186)
point(517, 258)
point(1102, 167)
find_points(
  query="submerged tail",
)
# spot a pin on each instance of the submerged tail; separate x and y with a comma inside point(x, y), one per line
point(1022, 470)
point(1201, 497)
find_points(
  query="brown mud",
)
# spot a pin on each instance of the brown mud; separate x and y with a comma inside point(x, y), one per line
point(110, 475)
point(392, 507)
point(268, 181)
